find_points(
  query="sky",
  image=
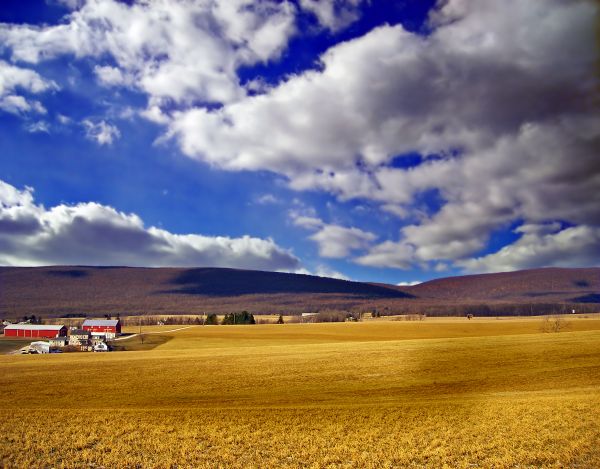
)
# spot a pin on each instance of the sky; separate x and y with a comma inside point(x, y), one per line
point(361, 139)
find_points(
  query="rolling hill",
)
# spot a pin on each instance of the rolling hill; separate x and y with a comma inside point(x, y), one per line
point(549, 284)
point(77, 290)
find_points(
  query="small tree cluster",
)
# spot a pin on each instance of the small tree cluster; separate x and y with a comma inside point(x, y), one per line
point(238, 318)
point(331, 316)
point(32, 319)
point(211, 320)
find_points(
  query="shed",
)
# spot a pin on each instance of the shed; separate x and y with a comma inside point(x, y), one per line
point(100, 347)
point(35, 330)
point(39, 347)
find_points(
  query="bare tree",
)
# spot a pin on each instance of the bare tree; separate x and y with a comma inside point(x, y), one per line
point(554, 323)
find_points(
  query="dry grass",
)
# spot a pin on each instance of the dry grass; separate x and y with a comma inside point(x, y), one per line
point(10, 344)
point(395, 394)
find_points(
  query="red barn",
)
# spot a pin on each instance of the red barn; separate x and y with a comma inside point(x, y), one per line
point(34, 330)
point(105, 327)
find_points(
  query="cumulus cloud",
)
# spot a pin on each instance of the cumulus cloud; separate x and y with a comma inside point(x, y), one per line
point(95, 234)
point(338, 241)
point(174, 51)
point(334, 241)
point(503, 106)
point(391, 254)
point(333, 14)
point(102, 132)
point(14, 81)
point(391, 92)
point(543, 246)
point(111, 76)
point(497, 99)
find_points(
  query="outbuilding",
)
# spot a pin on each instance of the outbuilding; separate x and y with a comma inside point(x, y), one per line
point(58, 342)
point(39, 347)
point(108, 328)
point(35, 330)
point(79, 337)
point(100, 347)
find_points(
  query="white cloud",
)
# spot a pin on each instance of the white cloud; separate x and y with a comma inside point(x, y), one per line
point(333, 14)
point(500, 91)
point(111, 76)
point(320, 271)
point(64, 120)
point(338, 241)
point(307, 222)
point(388, 254)
point(334, 241)
point(543, 246)
point(174, 51)
point(39, 126)
point(94, 234)
point(391, 92)
point(16, 80)
point(496, 99)
point(102, 132)
point(409, 284)
point(72, 4)
point(325, 271)
point(267, 199)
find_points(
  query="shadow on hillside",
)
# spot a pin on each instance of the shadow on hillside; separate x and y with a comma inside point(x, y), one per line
point(591, 298)
point(231, 282)
point(69, 273)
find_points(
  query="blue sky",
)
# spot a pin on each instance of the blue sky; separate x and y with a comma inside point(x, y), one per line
point(381, 141)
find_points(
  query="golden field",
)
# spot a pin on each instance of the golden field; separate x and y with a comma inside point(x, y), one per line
point(436, 393)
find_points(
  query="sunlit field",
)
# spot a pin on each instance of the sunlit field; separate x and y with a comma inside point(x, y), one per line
point(433, 393)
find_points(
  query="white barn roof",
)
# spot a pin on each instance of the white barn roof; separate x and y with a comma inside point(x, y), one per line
point(34, 327)
point(101, 322)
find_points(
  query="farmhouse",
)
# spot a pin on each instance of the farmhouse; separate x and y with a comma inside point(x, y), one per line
point(108, 328)
point(79, 337)
point(35, 330)
point(58, 341)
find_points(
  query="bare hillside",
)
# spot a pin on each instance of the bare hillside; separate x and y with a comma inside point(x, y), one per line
point(73, 290)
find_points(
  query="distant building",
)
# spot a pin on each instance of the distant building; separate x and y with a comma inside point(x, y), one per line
point(97, 339)
point(79, 337)
point(100, 347)
point(39, 347)
point(35, 330)
point(108, 328)
point(58, 341)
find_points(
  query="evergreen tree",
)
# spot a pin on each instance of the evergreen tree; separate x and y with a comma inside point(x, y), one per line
point(211, 319)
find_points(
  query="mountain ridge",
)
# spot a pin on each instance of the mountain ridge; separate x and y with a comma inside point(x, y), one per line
point(61, 290)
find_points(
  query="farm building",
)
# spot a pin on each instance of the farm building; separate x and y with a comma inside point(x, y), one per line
point(79, 337)
point(108, 328)
point(58, 341)
point(100, 347)
point(39, 347)
point(97, 339)
point(35, 330)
